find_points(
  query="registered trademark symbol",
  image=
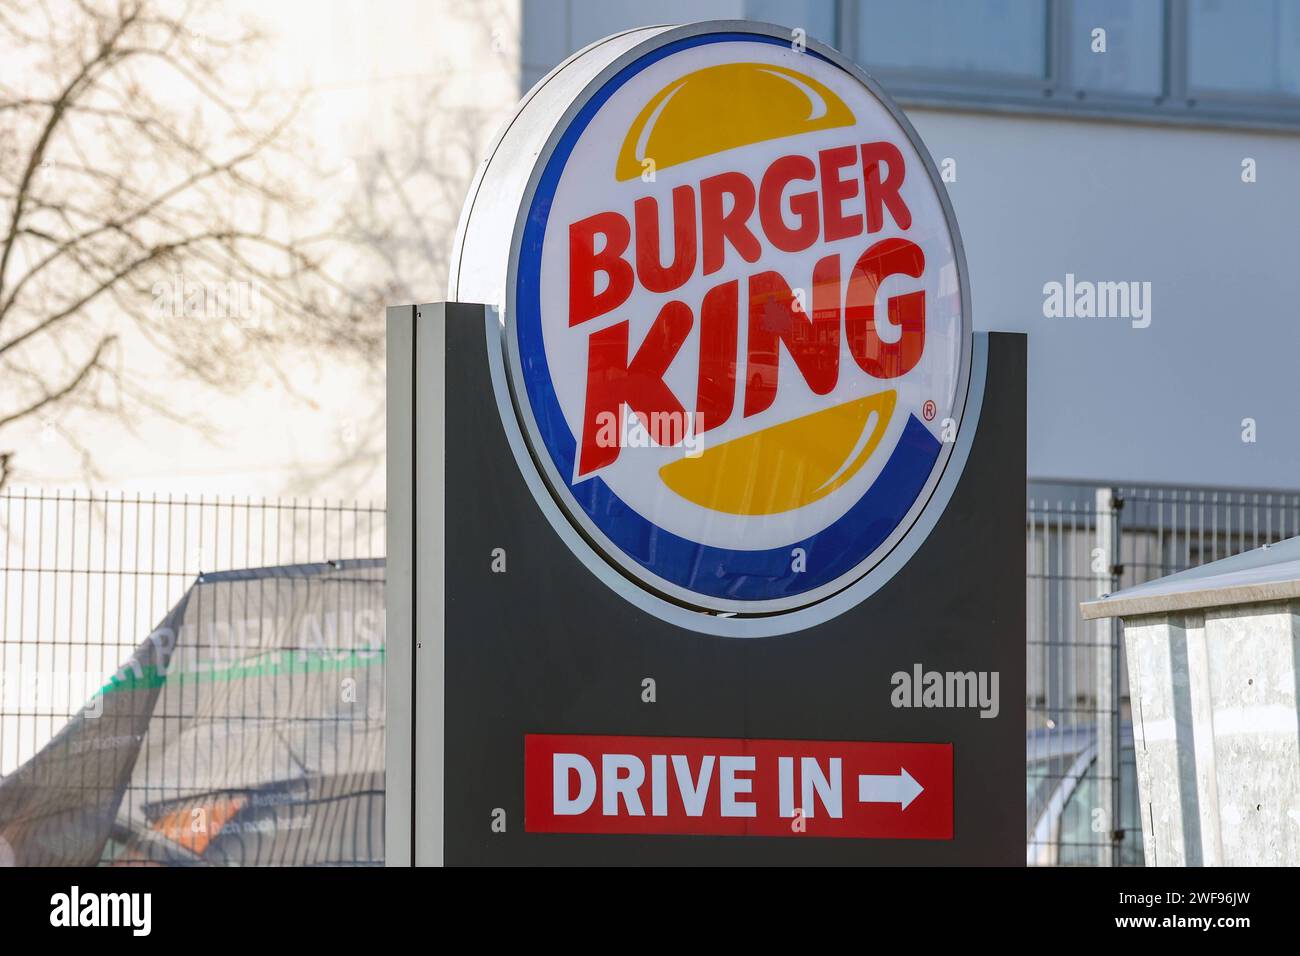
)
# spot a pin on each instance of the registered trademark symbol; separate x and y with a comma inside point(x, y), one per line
point(928, 410)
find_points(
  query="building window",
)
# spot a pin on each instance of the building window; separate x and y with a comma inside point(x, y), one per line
point(1229, 62)
point(997, 39)
point(1247, 46)
point(1128, 57)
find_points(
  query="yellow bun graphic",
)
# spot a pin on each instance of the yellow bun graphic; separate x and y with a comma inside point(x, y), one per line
point(723, 107)
point(786, 466)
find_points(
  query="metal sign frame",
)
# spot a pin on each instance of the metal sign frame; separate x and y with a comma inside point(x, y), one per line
point(476, 661)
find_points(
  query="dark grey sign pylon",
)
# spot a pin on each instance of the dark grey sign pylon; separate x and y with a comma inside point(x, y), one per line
point(560, 642)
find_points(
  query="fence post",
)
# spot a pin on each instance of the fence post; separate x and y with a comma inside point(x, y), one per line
point(1106, 568)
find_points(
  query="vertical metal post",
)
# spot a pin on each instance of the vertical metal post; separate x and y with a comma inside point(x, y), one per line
point(399, 598)
point(417, 352)
point(1106, 567)
point(428, 559)
point(1054, 548)
point(1116, 680)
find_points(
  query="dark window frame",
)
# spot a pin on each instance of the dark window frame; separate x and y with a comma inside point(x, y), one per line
point(1055, 94)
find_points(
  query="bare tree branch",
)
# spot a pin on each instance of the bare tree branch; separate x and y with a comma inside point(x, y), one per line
point(144, 197)
point(50, 398)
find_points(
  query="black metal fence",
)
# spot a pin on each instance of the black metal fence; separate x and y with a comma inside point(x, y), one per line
point(167, 704)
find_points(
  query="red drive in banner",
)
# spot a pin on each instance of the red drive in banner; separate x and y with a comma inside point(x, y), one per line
point(729, 787)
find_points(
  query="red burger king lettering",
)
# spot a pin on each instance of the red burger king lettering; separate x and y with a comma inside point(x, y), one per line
point(734, 311)
point(727, 217)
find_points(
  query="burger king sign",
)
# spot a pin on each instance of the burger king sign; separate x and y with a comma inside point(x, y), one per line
point(735, 313)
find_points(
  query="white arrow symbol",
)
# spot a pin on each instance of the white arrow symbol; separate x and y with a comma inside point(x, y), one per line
point(900, 788)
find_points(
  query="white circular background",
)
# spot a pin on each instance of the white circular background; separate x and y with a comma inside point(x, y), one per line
point(588, 186)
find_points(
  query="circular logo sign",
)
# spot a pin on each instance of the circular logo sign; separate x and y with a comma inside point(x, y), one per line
point(735, 309)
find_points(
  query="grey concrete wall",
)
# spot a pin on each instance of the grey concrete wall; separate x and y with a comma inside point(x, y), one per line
point(1217, 735)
